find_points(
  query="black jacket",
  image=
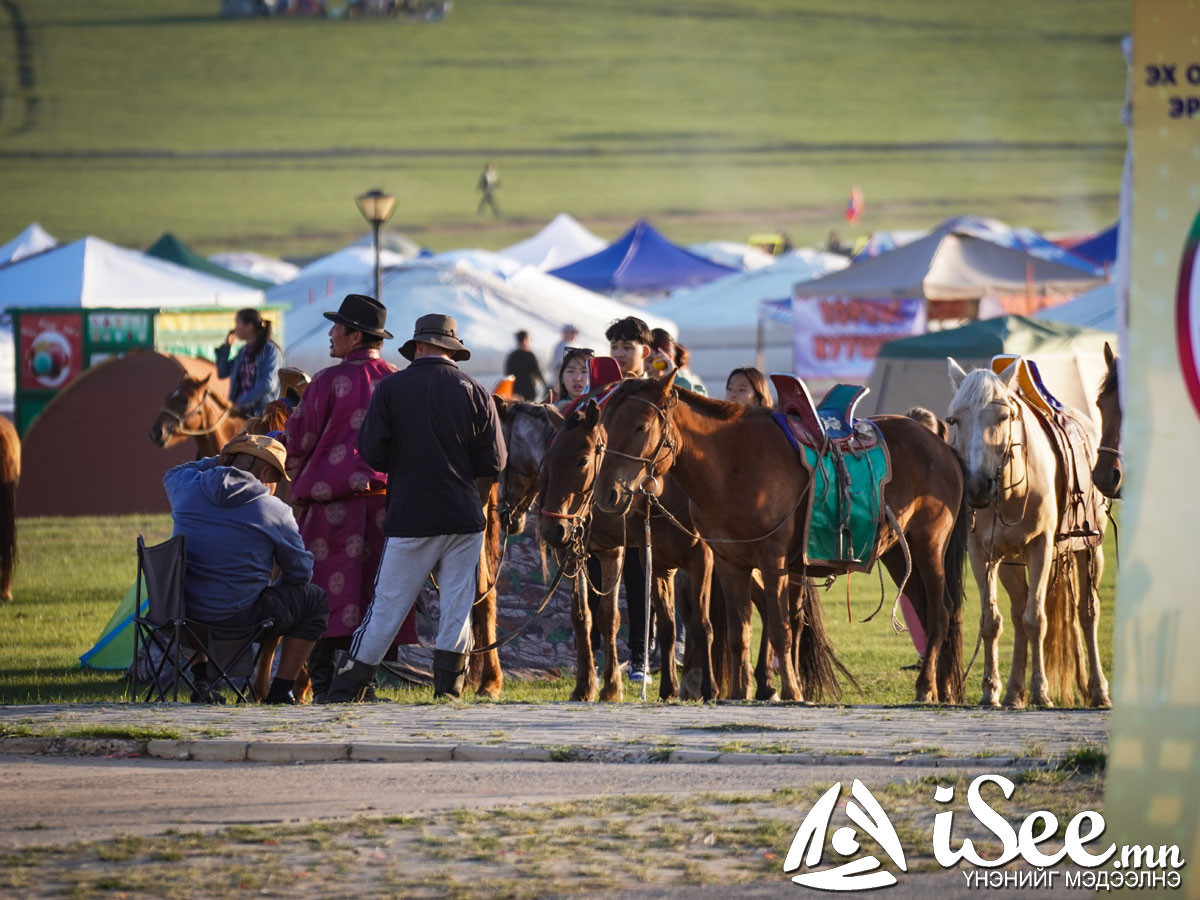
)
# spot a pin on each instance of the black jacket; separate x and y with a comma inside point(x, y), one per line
point(434, 430)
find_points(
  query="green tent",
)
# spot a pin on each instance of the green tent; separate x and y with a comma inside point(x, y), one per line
point(114, 647)
point(172, 249)
point(913, 371)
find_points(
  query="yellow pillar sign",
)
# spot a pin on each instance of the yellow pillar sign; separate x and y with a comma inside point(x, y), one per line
point(1153, 791)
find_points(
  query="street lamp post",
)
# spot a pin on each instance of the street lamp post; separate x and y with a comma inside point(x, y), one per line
point(376, 207)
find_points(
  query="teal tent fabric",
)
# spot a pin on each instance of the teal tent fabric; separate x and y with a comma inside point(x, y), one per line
point(984, 338)
point(114, 647)
point(172, 249)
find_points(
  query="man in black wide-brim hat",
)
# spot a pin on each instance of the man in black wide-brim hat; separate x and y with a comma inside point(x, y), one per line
point(436, 432)
point(340, 495)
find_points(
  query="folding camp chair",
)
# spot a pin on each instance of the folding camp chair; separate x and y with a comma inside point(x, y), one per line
point(227, 654)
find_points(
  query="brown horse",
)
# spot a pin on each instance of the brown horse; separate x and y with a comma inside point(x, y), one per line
point(194, 410)
point(570, 522)
point(1109, 471)
point(749, 498)
point(10, 473)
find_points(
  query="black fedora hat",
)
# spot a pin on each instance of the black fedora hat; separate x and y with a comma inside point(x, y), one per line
point(362, 313)
point(439, 330)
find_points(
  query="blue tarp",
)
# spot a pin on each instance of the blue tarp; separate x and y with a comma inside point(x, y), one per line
point(641, 261)
point(1100, 248)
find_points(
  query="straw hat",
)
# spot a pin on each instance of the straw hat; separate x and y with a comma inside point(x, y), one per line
point(261, 446)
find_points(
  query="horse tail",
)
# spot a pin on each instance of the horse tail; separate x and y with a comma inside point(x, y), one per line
point(1063, 652)
point(954, 565)
point(10, 472)
point(816, 664)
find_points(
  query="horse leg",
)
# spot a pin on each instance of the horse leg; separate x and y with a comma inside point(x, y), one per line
point(720, 639)
point(1089, 568)
point(776, 595)
point(1041, 562)
point(262, 669)
point(486, 674)
point(663, 598)
point(611, 564)
point(991, 624)
point(927, 609)
point(581, 619)
point(764, 689)
point(735, 585)
point(700, 626)
point(1017, 587)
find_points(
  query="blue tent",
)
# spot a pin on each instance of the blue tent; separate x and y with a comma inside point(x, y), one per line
point(641, 261)
point(1100, 248)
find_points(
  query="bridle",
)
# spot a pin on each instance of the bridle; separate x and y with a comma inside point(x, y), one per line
point(180, 419)
point(650, 464)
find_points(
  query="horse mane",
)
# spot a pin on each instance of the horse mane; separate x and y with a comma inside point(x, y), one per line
point(1108, 383)
point(979, 388)
point(273, 418)
point(718, 409)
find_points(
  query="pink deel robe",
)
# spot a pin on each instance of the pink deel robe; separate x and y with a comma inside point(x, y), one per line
point(341, 498)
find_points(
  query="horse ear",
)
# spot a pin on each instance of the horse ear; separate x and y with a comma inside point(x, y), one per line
point(1109, 359)
point(203, 382)
point(554, 417)
point(668, 381)
point(957, 373)
point(591, 412)
point(1009, 374)
point(502, 406)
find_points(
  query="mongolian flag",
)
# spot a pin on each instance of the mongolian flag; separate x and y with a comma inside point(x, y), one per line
point(855, 207)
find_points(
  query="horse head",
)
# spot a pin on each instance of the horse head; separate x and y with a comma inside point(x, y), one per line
point(640, 442)
point(1109, 472)
point(528, 430)
point(568, 476)
point(982, 415)
point(183, 403)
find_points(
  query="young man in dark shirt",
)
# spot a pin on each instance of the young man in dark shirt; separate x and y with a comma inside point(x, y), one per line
point(524, 365)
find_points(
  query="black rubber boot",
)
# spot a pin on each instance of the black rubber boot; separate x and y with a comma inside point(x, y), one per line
point(449, 673)
point(281, 694)
point(350, 679)
point(320, 668)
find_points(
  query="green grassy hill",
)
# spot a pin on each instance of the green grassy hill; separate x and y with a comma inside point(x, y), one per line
point(713, 119)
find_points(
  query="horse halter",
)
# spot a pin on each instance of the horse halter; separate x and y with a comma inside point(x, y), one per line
point(665, 439)
point(180, 419)
point(1115, 452)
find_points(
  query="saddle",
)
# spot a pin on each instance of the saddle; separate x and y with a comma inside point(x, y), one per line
point(848, 464)
point(1080, 504)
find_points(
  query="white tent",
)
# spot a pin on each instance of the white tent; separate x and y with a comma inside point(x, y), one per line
point(350, 270)
point(560, 243)
point(488, 306)
point(1096, 308)
point(94, 273)
point(719, 322)
point(255, 265)
point(393, 242)
point(733, 254)
point(33, 239)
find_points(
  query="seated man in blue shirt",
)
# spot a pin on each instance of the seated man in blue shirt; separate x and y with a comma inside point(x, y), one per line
point(236, 531)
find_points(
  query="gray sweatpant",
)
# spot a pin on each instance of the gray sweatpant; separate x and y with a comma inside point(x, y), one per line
point(406, 563)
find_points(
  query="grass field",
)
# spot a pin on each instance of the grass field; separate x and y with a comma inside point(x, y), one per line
point(74, 571)
point(713, 119)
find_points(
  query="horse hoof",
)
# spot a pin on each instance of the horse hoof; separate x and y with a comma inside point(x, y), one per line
point(1101, 702)
point(1043, 701)
point(612, 694)
point(490, 691)
point(767, 694)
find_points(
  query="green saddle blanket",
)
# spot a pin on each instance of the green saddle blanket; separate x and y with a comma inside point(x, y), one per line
point(847, 504)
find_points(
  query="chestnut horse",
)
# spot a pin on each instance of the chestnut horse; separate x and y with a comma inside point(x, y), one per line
point(1109, 470)
point(1016, 485)
point(194, 410)
point(10, 473)
point(749, 495)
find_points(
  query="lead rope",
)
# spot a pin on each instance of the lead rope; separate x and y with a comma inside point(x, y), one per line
point(649, 609)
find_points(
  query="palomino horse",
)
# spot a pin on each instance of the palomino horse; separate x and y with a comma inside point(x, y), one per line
point(749, 497)
point(1017, 487)
point(1109, 471)
point(569, 522)
point(10, 473)
point(194, 410)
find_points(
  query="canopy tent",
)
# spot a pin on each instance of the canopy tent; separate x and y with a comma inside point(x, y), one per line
point(172, 249)
point(256, 266)
point(740, 257)
point(1100, 248)
point(490, 297)
point(561, 242)
point(1096, 308)
point(392, 242)
point(641, 261)
point(32, 240)
point(951, 266)
point(323, 281)
point(1026, 240)
point(913, 371)
point(88, 453)
point(720, 323)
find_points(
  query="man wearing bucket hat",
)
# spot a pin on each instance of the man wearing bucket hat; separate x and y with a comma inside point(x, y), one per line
point(341, 496)
point(236, 531)
point(436, 432)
